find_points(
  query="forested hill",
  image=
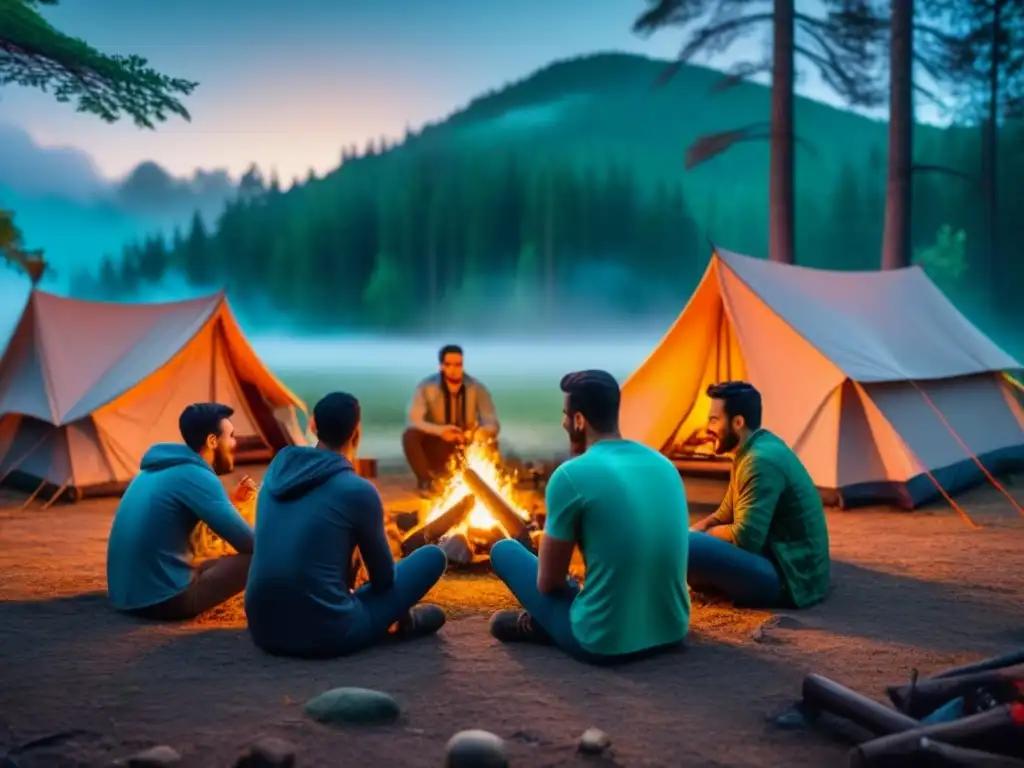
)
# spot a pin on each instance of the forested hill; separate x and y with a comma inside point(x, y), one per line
point(565, 189)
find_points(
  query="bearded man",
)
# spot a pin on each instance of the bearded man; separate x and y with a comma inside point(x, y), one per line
point(150, 568)
point(449, 409)
point(767, 544)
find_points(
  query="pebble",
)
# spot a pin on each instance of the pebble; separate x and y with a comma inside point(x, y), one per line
point(154, 757)
point(457, 549)
point(594, 741)
point(353, 705)
point(780, 621)
point(268, 752)
point(475, 749)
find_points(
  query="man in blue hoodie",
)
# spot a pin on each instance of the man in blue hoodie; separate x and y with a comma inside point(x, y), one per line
point(314, 511)
point(150, 569)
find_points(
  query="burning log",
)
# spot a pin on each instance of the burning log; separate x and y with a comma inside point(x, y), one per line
point(982, 729)
point(508, 518)
point(946, 754)
point(822, 694)
point(925, 696)
point(431, 532)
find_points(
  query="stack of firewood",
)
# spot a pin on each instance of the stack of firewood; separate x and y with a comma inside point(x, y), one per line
point(966, 716)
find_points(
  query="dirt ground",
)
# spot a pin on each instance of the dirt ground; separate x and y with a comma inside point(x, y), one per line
point(911, 590)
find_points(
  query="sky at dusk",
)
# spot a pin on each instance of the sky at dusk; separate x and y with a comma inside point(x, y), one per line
point(287, 84)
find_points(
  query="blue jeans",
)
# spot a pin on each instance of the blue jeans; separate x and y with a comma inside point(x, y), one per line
point(515, 565)
point(373, 612)
point(748, 579)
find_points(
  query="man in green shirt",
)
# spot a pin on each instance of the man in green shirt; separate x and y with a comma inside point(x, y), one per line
point(623, 504)
point(767, 544)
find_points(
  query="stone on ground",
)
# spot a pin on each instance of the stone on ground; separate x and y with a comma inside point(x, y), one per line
point(594, 741)
point(353, 705)
point(268, 752)
point(154, 757)
point(475, 749)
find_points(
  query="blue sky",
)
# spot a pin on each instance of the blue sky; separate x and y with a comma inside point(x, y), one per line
point(287, 84)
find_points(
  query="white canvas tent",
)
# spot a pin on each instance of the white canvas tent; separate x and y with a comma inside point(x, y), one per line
point(86, 387)
point(883, 388)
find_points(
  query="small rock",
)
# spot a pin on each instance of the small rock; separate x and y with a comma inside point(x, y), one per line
point(791, 719)
point(353, 705)
point(457, 549)
point(268, 752)
point(154, 757)
point(475, 749)
point(780, 621)
point(594, 741)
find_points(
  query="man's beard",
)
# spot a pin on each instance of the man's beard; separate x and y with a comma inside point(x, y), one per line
point(457, 382)
point(727, 443)
point(577, 441)
point(223, 463)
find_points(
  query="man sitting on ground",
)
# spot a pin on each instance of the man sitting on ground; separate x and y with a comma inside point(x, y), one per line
point(150, 569)
point(624, 506)
point(767, 544)
point(448, 410)
point(314, 512)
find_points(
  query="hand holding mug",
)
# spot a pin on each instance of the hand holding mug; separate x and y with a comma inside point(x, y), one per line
point(245, 490)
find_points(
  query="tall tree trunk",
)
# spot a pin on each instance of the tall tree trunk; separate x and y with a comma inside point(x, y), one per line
point(989, 163)
point(781, 223)
point(896, 245)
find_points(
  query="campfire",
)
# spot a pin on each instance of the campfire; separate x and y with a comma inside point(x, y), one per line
point(476, 508)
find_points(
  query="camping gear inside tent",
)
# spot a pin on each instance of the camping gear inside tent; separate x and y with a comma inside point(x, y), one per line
point(883, 388)
point(86, 387)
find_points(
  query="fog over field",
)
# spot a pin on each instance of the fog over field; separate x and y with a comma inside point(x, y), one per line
point(381, 370)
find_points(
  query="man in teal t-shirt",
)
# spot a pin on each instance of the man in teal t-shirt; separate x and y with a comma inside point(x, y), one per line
point(623, 504)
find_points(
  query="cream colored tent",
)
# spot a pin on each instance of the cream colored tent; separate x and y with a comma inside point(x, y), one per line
point(86, 387)
point(877, 381)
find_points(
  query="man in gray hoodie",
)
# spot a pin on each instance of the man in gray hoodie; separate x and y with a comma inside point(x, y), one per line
point(150, 572)
point(448, 410)
point(313, 512)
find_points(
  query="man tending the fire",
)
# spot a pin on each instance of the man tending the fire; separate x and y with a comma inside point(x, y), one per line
point(449, 410)
point(767, 544)
point(623, 504)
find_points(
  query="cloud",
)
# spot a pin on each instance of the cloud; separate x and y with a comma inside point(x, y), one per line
point(31, 170)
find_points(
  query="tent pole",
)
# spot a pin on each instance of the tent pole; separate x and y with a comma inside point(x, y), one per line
point(35, 493)
point(56, 495)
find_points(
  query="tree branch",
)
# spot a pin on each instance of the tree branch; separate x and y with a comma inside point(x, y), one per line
point(713, 144)
point(740, 73)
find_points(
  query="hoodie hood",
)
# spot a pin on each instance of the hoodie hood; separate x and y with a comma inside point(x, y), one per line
point(297, 470)
point(167, 455)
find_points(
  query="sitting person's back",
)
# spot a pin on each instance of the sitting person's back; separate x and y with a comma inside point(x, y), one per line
point(313, 513)
point(313, 510)
point(633, 532)
point(150, 569)
point(624, 506)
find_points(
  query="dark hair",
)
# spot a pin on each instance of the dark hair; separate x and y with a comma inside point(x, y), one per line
point(337, 415)
point(200, 420)
point(596, 396)
point(741, 399)
point(448, 349)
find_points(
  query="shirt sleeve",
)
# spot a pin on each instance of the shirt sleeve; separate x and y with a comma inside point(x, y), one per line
point(371, 538)
point(723, 515)
point(205, 496)
point(487, 415)
point(418, 413)
point(757, 495)
point(564, 507)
